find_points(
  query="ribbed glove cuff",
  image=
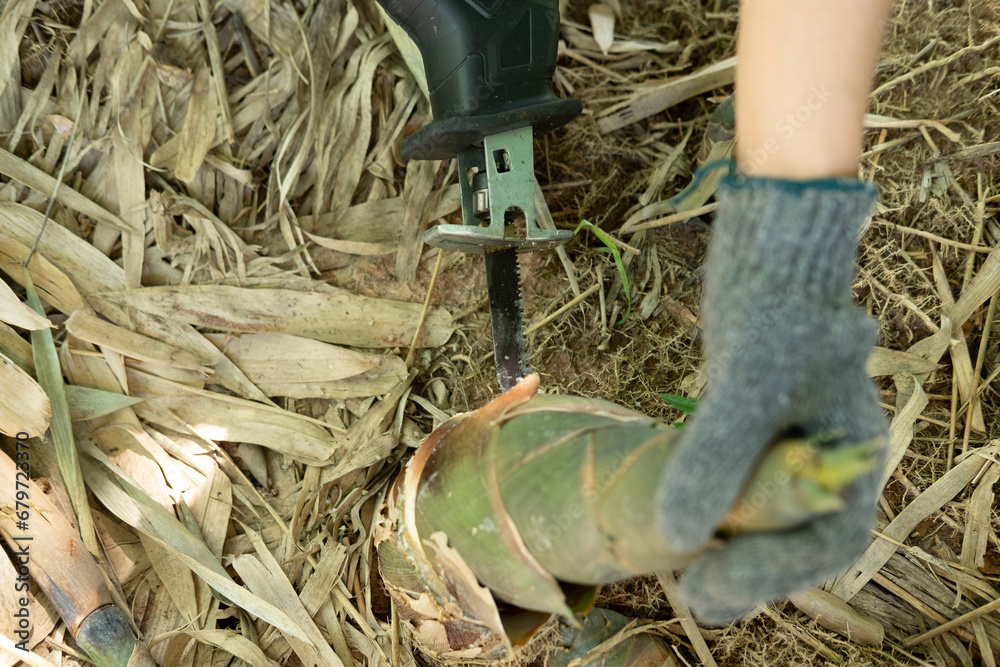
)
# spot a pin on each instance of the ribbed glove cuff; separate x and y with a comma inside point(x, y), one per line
point(794, 238)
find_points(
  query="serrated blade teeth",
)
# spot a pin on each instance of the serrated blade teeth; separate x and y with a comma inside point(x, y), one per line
point(510, 349)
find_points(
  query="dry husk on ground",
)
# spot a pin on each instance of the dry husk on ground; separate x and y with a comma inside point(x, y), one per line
point(230, 198)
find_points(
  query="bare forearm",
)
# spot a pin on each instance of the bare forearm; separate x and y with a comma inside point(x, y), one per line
point(802, 84)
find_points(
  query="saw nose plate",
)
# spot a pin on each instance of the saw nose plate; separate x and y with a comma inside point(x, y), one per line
point(507, 161)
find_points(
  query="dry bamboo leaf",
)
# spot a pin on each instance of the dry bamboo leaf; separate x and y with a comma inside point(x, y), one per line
point(184, 336)
point(978, 519)
point(377, 221)
point(16, 349)
point(316, 595)
point(320, 583)
point(417, 193)
point(267, 580)
point(24, 406)
point(289, 600)
point(933, 347)
point(602, 23)
point(85, 265)
point(348, 26)
point(241, 176)
point(36, 179)
point(963, 373)
point(176, 578)
point(13, 22)
point(229, 641)
point(928, 502)
point(334, 316)
point(367, 442)
point(901, 430)
point(355, 126)
point(218, 72)
point(219, 417)
point(883, 361)
point(254, 461)
point(92, 31)
point(51, 283)
point(185, 152)
point(134, 506)
point(14, 311)
point(982, 287)
point(658, 97)
point(408, 50)
point(266, 357)
point(271, 585)
point(132, 100)
point(212, 505)
point(382, 158)
point(367, 454)
point(256, 15)
point(160, 618)
point(962, 370)
point(100, 332)
point(284, 365)
point(86, 403)
point(148, 463)
point(364, 248)
point(577, 37)
point(264, 93)
point(372, 423)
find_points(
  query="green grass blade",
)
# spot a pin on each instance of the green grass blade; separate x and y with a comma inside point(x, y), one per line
point(606, 240)
point(50, 378)
point(682, 403)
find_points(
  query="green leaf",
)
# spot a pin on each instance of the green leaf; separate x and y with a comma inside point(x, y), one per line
point(606, 240)
point(683, 403)
point(50, 378)
point(87, 403)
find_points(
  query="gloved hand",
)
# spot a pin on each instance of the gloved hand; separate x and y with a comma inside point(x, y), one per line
point(785, 350)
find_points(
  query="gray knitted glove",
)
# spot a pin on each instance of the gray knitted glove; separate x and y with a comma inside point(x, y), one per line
point(785, 350)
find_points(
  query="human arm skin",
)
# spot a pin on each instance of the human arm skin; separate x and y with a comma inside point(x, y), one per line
point(802, 85)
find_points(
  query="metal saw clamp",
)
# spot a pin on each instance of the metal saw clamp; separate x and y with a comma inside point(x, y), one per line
point(489, 66)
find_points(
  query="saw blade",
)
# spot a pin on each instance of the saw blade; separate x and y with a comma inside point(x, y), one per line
point(510, 349)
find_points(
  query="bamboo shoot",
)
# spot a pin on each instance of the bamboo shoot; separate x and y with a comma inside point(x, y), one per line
point(519, 510)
